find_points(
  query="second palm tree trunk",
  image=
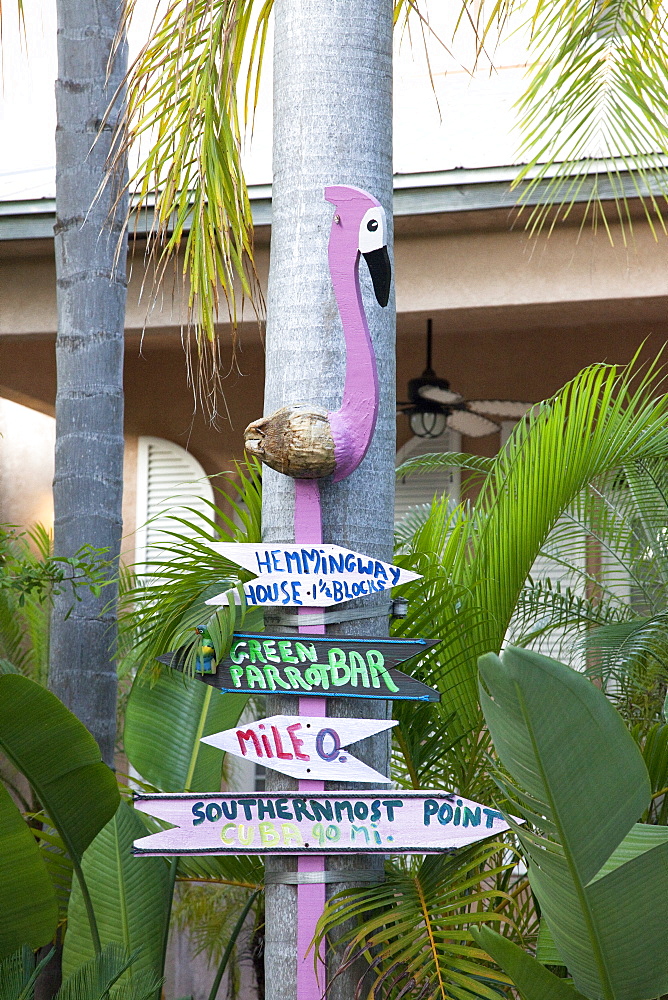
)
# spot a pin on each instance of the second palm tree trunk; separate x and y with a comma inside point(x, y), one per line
point(91, 287)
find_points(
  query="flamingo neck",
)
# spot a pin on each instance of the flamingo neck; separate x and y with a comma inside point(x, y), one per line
point(353, 424)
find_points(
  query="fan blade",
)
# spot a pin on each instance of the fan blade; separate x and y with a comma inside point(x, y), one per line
point(438, 395)
point(499, 407)
point(470, 424)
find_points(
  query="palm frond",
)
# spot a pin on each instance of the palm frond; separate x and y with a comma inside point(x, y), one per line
point(165, 608)
point(94, 979)
point(19, 972)
point(417, 922)
point(243, 872)
point(183, 115)
point(419, 465)
point(475, 562)
point(421, 746)
point(596, 97)
point(415, 519)
point(209, 914)
point(629, 659)
point(142, 985)
point(544, 608)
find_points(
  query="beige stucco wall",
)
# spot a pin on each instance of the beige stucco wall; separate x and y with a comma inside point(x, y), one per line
point(463, 268)
point(513, 318)
point(26, 467)
point(27, 440)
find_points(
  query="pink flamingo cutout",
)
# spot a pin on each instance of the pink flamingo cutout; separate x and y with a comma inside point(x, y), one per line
point(358, 229)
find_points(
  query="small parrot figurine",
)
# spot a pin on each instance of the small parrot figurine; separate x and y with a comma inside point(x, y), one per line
point(205, 663)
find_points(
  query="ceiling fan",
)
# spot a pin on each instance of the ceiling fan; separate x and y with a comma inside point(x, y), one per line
point(432, 406)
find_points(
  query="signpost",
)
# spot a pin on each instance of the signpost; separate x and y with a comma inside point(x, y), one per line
point(304, 746)
point(377, 822)
point(308, 575)
point(308, 442)
point(338, 668)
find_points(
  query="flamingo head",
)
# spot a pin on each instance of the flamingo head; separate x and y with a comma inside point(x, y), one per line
point(360, 227)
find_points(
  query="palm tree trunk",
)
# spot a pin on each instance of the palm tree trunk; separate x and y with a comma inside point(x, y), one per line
point(332, 124)
point(91, 285)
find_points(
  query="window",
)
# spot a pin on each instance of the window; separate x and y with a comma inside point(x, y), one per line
point(416, 490)
point(169, 480)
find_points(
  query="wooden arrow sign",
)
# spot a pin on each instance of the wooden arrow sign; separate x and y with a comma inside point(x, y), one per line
point(309, 576)
point(375, 822)
point(304, 747)
point(308, 665)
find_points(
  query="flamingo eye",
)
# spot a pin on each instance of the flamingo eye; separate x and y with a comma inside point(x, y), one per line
point(373, 229)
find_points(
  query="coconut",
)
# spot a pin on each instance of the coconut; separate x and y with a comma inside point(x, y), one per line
point(296, 440)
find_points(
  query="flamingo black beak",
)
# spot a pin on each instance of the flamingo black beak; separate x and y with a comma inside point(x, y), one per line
point(380, 270)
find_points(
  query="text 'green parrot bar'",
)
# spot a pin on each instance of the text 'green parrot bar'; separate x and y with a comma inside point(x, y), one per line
point(309, 665)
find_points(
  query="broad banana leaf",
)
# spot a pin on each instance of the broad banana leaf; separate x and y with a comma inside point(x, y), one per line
point(58, 864)
point(60, 759)
point(578, 776)
point(164, 723)
point(28, 905)
point(533, 979)
point(546, 951)
point(130, 896)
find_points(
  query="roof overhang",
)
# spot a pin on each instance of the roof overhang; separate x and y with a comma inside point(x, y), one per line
point(446, 192)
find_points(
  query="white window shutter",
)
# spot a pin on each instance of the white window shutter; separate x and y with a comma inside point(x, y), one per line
point(416, 490)
point(560, 643)
point(169, 481)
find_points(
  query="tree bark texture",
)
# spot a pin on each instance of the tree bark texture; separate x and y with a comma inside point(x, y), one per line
point(332, 125)
point(91, 291)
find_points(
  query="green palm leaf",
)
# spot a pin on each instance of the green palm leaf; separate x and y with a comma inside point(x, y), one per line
point(245, 872)
point(418, 921)
point(130, 898)
point(28, 906)
point(475, 562)
point(94, 979)
point(164, 723)
point(183, 115)
point(578, 776)
point(18, 974)
point(166, 603)
point(612, 548)
point(420, 465)
point(142, 986)
point(595, 99)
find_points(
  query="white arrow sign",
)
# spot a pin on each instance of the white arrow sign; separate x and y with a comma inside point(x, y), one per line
point(309, 576)
point(376, 822)
point(304, 747)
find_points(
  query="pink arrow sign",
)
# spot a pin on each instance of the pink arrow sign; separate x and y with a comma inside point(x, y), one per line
point(309, 576)
point(304, 746)
point(377, 822)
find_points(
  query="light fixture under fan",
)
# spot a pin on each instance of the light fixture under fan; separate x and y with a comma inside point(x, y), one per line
point(432, 406)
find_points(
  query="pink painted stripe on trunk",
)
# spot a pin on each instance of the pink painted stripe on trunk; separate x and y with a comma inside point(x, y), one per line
point(310, 898)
